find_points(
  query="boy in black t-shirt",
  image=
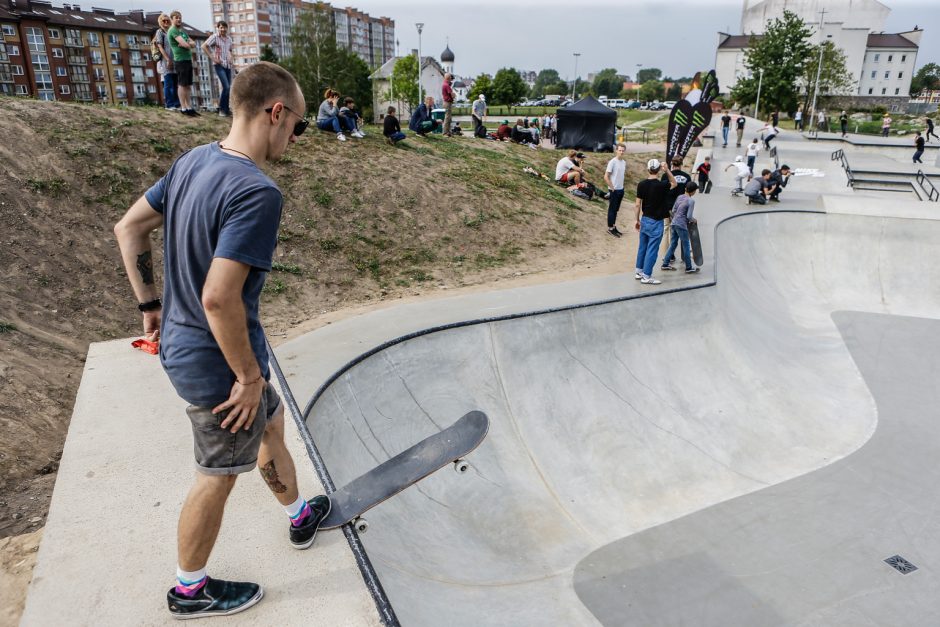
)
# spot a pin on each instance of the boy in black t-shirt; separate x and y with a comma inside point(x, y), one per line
point(919, 147)
point(392, 128)
point(741, 121)
point(725, 128)
point(651, 197)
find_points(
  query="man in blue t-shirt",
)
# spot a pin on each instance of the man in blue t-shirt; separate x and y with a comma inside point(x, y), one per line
point(220, 215)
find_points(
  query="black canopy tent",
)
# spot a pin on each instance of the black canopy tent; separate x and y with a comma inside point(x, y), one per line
point(587, 125)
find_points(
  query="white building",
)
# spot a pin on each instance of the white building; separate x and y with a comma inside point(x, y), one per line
point(432, 79)
point(855, 26)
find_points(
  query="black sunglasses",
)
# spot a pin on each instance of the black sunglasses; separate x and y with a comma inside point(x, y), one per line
point(300, 127)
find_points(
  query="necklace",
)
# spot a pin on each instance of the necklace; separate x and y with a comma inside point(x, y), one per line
point(238, 151)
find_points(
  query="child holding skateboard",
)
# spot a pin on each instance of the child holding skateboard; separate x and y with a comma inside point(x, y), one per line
point(704, 170)
point(681, 217)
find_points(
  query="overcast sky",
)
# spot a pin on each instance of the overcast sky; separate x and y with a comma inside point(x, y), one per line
point(679, 38)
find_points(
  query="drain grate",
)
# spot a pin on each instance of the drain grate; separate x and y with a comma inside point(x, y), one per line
point(900, 564)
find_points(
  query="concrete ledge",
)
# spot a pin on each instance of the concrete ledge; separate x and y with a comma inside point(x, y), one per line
point(108, 555)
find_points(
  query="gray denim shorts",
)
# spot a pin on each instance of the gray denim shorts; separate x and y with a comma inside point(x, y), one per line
point(218, 451)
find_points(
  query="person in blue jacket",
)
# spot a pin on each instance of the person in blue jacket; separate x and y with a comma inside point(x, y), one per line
point(421, 121)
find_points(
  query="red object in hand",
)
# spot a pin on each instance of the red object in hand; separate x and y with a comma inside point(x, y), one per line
point(148, 346)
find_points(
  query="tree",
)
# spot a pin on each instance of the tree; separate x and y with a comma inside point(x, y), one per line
point(268, 54)
point(314, 52)
point(405, 81)
point(544, 79)
point(482, 85)
point(560, 88)
point(648, 74)
point(927, 77)
point(607, 83)
point(652, 90)
point(674, 92)
point(781, 52)
point(508, 87)
point(834, 78)
point(352, 79)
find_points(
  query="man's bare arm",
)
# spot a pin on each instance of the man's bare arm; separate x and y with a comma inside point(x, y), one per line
point(225, 312)
point(133, 237)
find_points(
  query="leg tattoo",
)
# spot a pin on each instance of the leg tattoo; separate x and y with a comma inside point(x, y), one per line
point(269, 473)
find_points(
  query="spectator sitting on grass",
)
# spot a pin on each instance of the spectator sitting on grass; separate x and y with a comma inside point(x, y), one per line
point(328, 116)
point(391, 127)
point(504, 131)
point(520, 133)
point(567, 171)
point(421, 121)
point(353, 119)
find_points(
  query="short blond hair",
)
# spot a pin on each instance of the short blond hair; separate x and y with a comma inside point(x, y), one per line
point(259, 84)
point(175, 14)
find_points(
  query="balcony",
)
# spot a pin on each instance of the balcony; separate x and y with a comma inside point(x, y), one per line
point(74, 42)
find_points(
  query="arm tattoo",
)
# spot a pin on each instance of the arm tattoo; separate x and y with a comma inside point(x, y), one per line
point(269, 473)
point(145, 267)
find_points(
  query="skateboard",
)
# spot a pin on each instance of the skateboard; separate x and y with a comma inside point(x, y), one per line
point(696, 241)
point(389, 478)
point(736, 192)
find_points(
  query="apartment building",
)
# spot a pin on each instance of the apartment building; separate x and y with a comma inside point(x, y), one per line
point(64, 53)
point(254, 24)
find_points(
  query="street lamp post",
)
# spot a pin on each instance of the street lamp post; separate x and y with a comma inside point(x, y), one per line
point(760, 82)
point(574, 85)
point(639, 66)
point(822, 45)
point(420, 26)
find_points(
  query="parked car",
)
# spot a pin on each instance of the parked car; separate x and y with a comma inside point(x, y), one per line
point(670, 104)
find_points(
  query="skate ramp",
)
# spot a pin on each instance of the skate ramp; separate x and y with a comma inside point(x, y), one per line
point(613, 419)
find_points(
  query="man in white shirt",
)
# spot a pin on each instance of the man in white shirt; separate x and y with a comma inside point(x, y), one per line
point(613, 176)
point(752, 149)
point(567, 171)
point(742, 175)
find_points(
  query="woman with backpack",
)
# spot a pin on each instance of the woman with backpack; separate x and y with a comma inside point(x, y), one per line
point(160, 52)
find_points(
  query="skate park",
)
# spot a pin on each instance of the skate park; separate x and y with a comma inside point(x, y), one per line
point(745, 446)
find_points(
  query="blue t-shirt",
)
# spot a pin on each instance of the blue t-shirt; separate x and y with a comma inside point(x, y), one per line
point(213, 205)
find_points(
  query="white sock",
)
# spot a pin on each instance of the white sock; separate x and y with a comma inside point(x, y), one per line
point(294, 508)
point(189, 578)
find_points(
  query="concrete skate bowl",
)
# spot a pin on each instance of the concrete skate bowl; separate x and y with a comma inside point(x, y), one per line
point(614, 418)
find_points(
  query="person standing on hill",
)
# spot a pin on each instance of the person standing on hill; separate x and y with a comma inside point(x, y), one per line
point(844, 123)
point(478, 114)
point(613, 176)
point(219, 48)
point(182, 47)
point(447, 96)
point(220, 215)
point(740, 123)
point(165, 66)
point(725, 128)
point(918, 147)
point(651, 196)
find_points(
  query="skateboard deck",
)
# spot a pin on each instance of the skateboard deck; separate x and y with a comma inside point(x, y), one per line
point(696, 241)
point(407, 468)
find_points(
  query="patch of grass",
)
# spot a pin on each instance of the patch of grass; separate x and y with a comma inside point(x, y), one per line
point(290, 268)
point(328, 245)
point(274, 286)
point(320, 195)
point(419, 275)
point(418, 256)
point(7, 327)
point(42, 280)
point(53, 187)
point(370, 265)
point(507, 252)
point(475, 221)
point(160, 146)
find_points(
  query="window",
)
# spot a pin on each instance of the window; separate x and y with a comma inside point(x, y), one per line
point(120, 91)
point(884, 90)
point(9, 31)
point(116, 58)
point(903, 58)
point(102, 92)
point(96, 57)
point(217, 7)
point(877, 56)
point(13, 51)
point(65, 90)
point(119, 74)
point(17, 70)
point(132, 40)
point(140, 91)
point(113, 41)
point(22, 90)
point(873, 72)
point(151, 89)
point(149, 73)
point(58, 53)
point(900, 74)
point(93, 39)
point(871, 90)
point(73, 37)
point(897, 91)
point(54, 33)
point(887, 74)
point(60, 71)
point(99, 74)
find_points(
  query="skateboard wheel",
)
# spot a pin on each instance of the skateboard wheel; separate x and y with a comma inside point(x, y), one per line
point(461, 466)
point(361, 525)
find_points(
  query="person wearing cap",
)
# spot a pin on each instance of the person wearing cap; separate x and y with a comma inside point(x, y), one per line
point(779, 179)
point(504, 132)
point(682, 178)
point(742, 176)
point(478, 114)
point(568, 171)
point(651, 196)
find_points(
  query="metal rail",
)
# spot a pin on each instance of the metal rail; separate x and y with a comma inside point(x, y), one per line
point(927, 185)
point(839, 155)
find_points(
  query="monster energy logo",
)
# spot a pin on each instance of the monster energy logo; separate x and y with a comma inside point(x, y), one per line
point(680, 118)
point(697, 119)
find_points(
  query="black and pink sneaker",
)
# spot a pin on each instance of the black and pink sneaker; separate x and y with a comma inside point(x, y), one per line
point(301, 536)
point(216, 598)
